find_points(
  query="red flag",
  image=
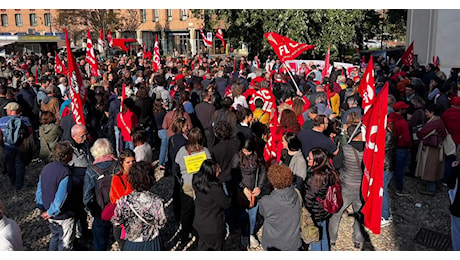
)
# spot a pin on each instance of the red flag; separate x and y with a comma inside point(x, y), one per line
point(110, 39)
point(408, 57)
point(36, 74)
point(206, 41)
point(123, 95)
point(199, 60)
point(75, 85)
point(59, 67)
point(220, 36)
point(367, 87)
point(101, 40)
point(146, 54)
point(156, 55)
point(241, 69)
point(285, 48)
point(121, 43)
point(324, 73)
point(373, 159)
point(91, 57)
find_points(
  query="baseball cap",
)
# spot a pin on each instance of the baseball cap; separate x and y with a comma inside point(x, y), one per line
point(400, 105)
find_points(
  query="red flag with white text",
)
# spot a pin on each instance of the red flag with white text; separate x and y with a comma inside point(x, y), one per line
point(91, 57)
point(367, 87)
point(373, 160)
point(156, 55)
point(59, 67)
point(220, 36)
point(75, 85)
point(110, 39)
point(285, 48)
point(101, 40)
point(408, 57)
point(206, 41)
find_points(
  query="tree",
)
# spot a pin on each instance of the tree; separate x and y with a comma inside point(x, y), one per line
point(341, 28)
point(77, 21)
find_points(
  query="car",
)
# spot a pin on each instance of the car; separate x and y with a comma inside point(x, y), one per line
point(372, 44)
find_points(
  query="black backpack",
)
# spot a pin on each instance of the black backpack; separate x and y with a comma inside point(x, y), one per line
point(104, 182)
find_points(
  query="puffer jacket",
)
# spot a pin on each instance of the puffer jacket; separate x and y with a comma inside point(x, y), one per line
point(311, 196)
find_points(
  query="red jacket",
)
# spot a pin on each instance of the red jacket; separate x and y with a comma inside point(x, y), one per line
point(131, 120)
point(451, 118)
point(401, 131)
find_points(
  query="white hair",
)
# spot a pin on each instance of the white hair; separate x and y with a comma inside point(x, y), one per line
point(101, 147)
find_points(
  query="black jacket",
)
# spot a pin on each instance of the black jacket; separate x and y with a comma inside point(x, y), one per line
point(311, 202)
point(209, 210)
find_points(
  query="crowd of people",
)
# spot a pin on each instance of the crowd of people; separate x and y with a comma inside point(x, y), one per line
point(208, 121)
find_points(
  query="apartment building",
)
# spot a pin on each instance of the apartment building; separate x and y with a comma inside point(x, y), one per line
point(177, 29)
point(28, 30)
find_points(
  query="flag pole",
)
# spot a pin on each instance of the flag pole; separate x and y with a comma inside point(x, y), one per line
point(293, 80)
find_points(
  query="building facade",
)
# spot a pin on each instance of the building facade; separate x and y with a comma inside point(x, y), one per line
point(178, 31)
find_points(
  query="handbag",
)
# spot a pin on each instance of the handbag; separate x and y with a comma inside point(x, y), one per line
point(448, 145)
point(308, 231)
point(431, 139)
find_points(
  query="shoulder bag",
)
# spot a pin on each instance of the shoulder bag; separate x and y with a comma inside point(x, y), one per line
point(308, 231)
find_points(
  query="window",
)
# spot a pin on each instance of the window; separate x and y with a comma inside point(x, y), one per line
point(48, 19)
point(155, 15)
point(33, 19)
point(169, 15)
point(4, 20)
point(18, 18)
point(143, 15)
point(183, 14)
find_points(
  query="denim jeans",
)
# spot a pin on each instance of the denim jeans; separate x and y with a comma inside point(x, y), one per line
point(15, 167)
point(352, 197)
point(62, 234)
point(127, 145)
point(101, 234)
point(455, 232)
point(323, 243)
point(400, 165)
point(117, 140)
point(163, 146)
point(387, 175)
point(248, 216)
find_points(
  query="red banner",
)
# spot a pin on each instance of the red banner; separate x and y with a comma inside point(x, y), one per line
point(220, 36)
point(123, 95)
point(110, 39)
point(367, 86)
point(146, 54)
point(91, 57)
point(408, 57)
point(75, 85)
point(373, 159)
point(285, 48)
point(59, 67)
point(156, 55)
point(101, 40)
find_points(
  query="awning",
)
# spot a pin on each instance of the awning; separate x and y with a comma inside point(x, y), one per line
point(3, 43)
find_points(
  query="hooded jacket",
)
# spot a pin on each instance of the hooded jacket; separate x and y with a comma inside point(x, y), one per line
point(401, 131)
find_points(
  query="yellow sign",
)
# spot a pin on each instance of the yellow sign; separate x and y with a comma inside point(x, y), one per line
point(193, 162)
point(39, 38)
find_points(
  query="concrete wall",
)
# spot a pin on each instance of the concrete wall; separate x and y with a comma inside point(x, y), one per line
point(435, 33)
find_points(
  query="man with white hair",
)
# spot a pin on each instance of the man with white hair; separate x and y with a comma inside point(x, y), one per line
point(10, 233)
point(105, 164)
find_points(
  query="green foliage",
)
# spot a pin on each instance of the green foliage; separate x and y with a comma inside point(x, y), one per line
point(343, 29)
